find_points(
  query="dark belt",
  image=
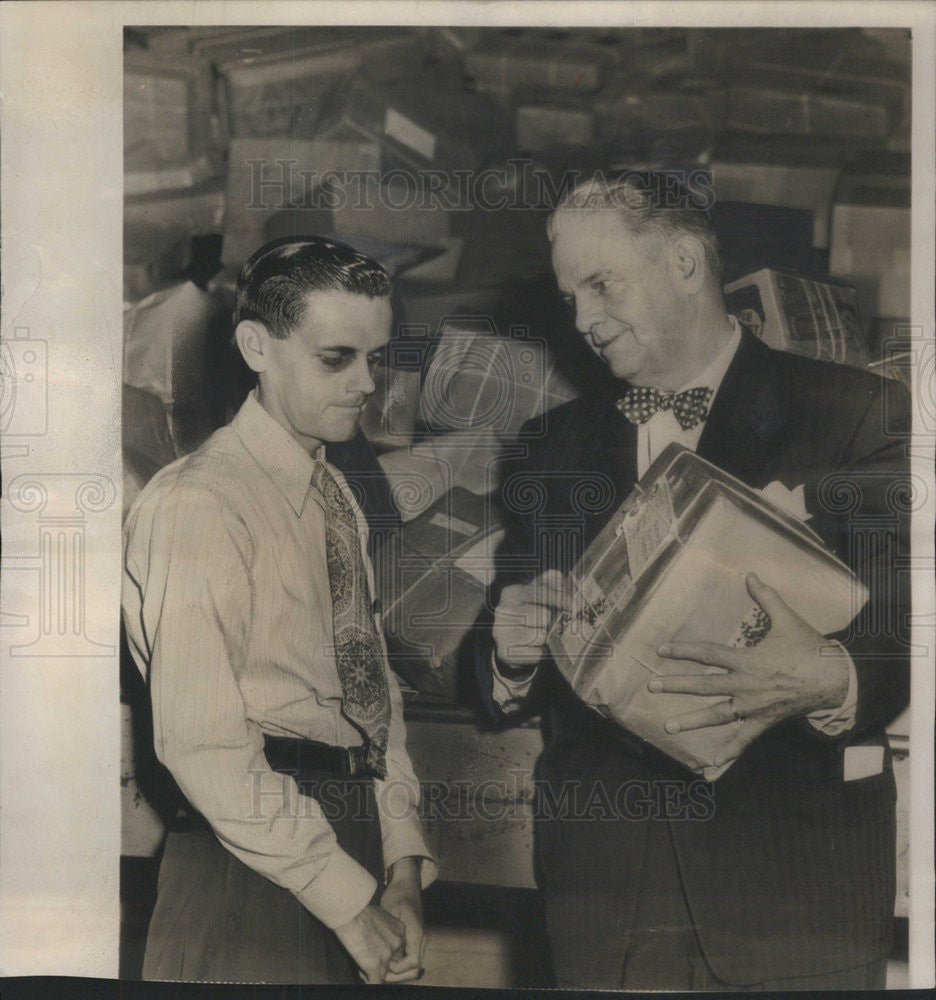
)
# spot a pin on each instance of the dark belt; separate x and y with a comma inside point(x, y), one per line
point(309, 760)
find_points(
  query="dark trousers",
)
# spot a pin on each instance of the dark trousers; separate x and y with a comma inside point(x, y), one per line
point(216, 920)
point(661, 950)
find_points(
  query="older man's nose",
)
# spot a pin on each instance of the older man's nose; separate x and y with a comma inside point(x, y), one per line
point(587, 315)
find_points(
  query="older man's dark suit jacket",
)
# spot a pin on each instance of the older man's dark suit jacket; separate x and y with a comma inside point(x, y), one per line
point(788, 869)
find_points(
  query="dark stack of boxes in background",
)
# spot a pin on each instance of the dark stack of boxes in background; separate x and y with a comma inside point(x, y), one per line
point(440, 151)
point(170, 168)
point(871, 241)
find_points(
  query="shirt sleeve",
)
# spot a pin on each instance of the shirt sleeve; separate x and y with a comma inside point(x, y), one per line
point(835, 721)
point(187, 607)
point(398, 798)
point(508, 692)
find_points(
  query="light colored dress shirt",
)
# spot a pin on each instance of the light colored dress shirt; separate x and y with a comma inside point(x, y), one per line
point(228, 614)
point(653, 436)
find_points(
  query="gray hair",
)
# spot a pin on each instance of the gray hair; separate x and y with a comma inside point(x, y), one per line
point(651, 202)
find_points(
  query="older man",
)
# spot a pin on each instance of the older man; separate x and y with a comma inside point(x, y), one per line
point(248, 608)
point(785, 879)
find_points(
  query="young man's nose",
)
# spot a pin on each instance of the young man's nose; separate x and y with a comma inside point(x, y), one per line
point(363, 379)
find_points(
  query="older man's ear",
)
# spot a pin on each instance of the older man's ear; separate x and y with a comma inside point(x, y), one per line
point(687, 257)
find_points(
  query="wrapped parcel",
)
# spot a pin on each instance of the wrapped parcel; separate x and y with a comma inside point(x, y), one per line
point(670, 565)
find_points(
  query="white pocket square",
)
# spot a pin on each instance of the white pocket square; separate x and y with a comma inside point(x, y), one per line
point(792, 501)
point(862, 762)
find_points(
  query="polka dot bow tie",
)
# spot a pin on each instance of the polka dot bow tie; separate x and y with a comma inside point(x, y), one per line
point(689, 407)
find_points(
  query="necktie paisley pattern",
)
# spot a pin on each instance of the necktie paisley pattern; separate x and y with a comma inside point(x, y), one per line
point(690, 407)
point(358, 650)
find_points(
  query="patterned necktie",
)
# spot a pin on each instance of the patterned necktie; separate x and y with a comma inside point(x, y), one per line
point(689, 407)
point(358, 650)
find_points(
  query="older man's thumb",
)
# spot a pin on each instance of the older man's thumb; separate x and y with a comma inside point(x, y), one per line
point(766, 597)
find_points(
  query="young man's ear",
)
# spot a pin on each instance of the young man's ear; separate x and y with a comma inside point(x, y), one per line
point(689, 261)
point(252, 339)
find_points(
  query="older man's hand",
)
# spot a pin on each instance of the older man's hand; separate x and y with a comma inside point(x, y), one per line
point(793, 672)
point(523, 618)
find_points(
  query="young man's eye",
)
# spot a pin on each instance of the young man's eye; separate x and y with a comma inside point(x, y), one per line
point(334, 361)
point(376, 358)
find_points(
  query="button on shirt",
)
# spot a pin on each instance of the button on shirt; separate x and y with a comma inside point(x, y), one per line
point(228, 614)
point(653, 436)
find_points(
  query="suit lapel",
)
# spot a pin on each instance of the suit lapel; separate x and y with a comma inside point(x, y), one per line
point(613, 447)
point(747, 416)
point(598, 458)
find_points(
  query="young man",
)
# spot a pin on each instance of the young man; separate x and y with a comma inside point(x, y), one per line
point(787, 880)
point(247, 604)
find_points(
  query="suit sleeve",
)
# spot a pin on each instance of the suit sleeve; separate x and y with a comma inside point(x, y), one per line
point(518, 560)
point(864, 508)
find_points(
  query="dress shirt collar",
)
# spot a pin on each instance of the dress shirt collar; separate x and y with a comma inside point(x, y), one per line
point(274, 449)
point(712, 376)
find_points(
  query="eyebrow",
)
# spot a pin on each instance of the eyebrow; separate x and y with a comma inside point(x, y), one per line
point(600, 273)
point(595, 275)
point(347, 352)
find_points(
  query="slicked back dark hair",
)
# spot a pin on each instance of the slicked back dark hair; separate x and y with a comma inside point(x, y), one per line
point(275, 280)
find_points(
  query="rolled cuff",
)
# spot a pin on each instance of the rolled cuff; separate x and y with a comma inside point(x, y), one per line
point(428, 868)
point(402, 833)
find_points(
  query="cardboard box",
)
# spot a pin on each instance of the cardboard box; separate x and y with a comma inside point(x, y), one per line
point(266, 176)
point(421, 473)
point(394, 211)
point(426, 309)
point(420, 124)
point(532, 60)
point(796, 314)
point(897, 366)
point(167, 123)
point(276, 84)
point(389, 419)
point(871, 245)
point(193, 211)
point(757, 236)
point(727, 51)
point(859, 78)
point(165, 338)
point(443, 567)
point(807, 112)
point(478, 380)
point(766, 171)
point(542, 123)
point(262, 45)
point(671, 566)
point(387, 221)
point(628, 104)
point(152, 259)
point(440, 269)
